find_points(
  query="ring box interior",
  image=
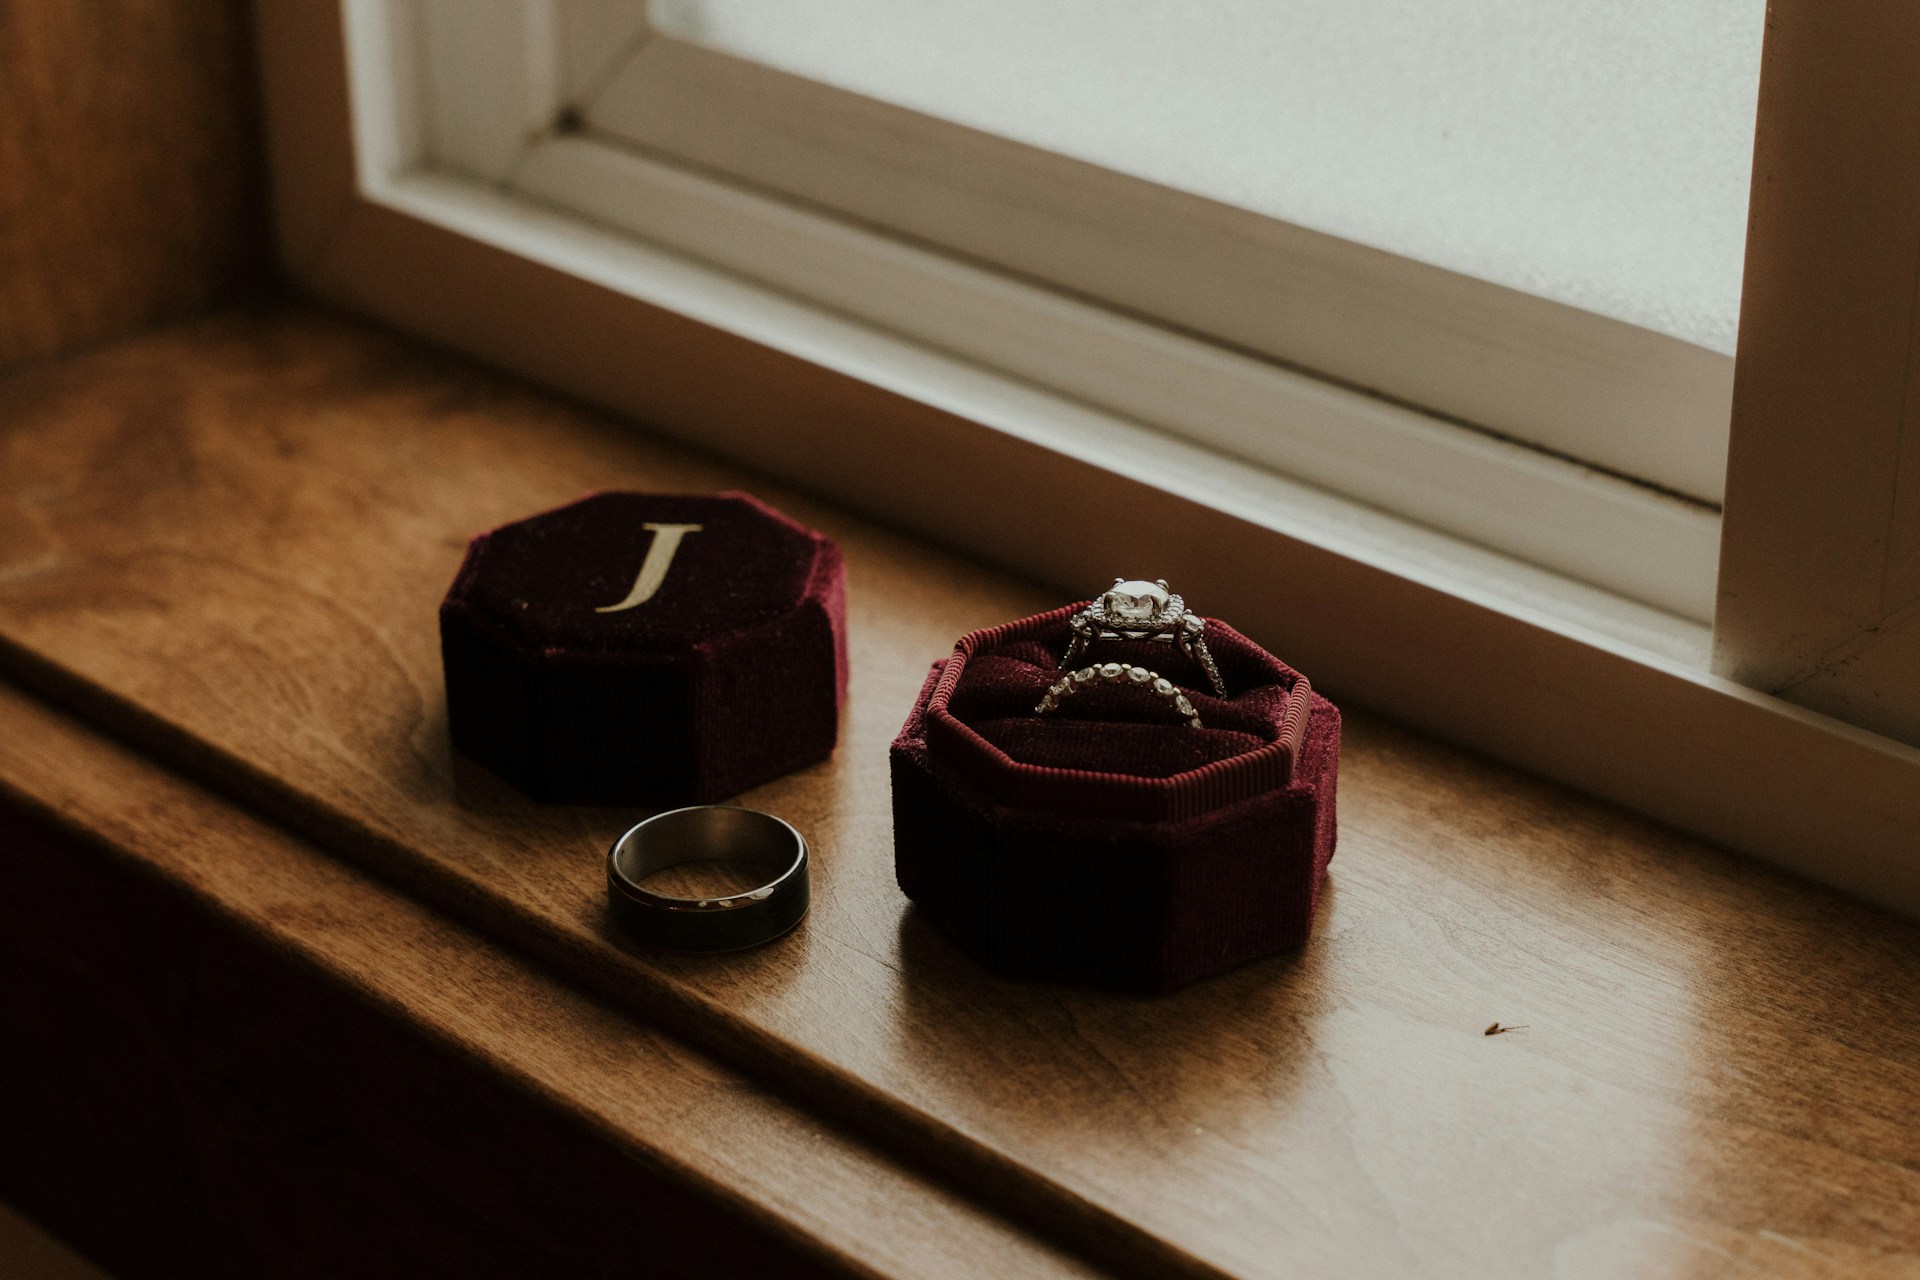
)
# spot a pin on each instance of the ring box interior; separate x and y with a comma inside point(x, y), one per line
point(1111, 843)
point(729, 672)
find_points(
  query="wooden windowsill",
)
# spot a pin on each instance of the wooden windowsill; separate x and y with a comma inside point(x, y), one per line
point(223, 544)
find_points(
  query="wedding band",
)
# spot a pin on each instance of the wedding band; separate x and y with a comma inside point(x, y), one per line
point(1134, 609)
point(1122, 672)
point(711, 832)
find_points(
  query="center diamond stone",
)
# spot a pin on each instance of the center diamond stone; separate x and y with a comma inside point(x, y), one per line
point(1135, 601)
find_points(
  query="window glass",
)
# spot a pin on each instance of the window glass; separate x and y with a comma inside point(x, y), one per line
point(1594, 152)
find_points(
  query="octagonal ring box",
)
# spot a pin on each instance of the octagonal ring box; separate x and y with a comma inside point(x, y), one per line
point(1111, 843)
point(646, 649)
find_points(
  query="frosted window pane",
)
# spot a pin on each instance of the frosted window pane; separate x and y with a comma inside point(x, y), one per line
point(1595, 152)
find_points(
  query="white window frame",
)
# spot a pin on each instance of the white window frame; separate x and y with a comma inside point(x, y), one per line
point(1534, 665)
point(493, 77)
point(1820, 565)
point(1624, 398)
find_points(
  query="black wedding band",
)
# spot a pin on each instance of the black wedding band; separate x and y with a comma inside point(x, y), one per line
point(720, 833)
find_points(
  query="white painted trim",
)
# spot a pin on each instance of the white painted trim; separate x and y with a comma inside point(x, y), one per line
point(1820, 600)
point(1625, 398)
point(1551, 512)
point(1620, 536)
point(485, 75)
point(384, 72)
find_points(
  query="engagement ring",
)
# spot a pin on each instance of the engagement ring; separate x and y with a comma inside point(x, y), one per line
point(1136, 610)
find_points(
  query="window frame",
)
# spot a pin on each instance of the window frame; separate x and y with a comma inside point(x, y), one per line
point(1172, 347)
point(1819, 595)
point(1613, 395)
point(1525, 665)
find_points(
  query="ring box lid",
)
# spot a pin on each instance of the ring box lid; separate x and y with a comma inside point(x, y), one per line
point(551, 584)
point(646, 649)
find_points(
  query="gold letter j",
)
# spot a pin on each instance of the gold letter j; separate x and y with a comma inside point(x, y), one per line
point(653, 570)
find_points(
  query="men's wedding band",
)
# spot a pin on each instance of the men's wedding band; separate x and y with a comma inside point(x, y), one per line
point(718, 833)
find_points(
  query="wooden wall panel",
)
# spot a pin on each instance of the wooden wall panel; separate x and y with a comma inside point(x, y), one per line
point(130, 177)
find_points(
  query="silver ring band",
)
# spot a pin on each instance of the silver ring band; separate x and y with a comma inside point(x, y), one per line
point(1123, 673)
point(709, 832)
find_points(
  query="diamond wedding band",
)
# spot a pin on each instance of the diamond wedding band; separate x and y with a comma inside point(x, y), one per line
point(1123, 673)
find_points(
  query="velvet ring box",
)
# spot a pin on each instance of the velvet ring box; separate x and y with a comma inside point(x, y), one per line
point(1111, 843)
point(646, 649)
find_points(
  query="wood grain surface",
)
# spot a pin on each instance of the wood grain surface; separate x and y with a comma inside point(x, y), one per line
point(225, 542)
point(130, 173)
point(249, 1060)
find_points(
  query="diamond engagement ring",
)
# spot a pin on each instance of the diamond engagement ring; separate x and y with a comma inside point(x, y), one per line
point(1124, 673)
point(1135, 610)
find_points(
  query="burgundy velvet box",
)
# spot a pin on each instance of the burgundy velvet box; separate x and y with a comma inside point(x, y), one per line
point(1111, 843)
point(646, 649)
